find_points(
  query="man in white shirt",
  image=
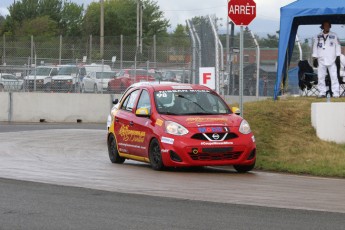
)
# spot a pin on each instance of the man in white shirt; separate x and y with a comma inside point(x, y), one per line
point(326, 55)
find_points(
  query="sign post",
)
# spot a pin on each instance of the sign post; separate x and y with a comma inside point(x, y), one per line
point(242, 13)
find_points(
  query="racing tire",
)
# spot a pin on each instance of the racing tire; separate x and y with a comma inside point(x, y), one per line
point(244, 168)
point(155, 156)
point(114, 156)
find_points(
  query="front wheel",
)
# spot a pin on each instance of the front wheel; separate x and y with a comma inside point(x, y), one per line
point(244, 168)
point(113, 152)
point(155, 156)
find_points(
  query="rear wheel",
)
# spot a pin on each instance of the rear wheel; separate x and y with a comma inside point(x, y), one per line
point(2, 89)
point(155, 155)
point(244, 168)
point(113, 152)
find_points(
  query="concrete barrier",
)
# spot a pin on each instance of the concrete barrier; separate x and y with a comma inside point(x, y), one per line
point(328, 119)
point(65, 107)
point(4, 106)
point(60, 107)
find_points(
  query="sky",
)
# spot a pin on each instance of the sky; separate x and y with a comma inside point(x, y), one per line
point(178, 11)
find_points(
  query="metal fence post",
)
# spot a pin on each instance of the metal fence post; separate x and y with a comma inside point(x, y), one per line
point(193, 49)
point(121, 52)
point(60, 50)
point(90, 54)
point(154, 51)
point(32, 50)
point(4, 53)
point(216, 53)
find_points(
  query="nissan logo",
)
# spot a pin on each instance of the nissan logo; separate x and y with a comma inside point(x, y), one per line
point(215, 136)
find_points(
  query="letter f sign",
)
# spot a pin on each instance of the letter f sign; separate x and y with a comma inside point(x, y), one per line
point(206, 77)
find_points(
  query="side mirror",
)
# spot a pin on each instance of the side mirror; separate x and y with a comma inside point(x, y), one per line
point(115, 101)
point(142, 112)
point(236, 110)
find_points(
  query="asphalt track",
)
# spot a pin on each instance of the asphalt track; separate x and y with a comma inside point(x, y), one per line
point(77, 158)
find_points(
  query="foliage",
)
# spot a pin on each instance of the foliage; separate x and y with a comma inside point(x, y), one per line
point(65, 15)
point(180, 37)
point(270, 42)
point(71, 19)
point(120, 18)
point(39, 26)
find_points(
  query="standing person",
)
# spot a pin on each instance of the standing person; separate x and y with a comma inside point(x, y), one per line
point(326, 56)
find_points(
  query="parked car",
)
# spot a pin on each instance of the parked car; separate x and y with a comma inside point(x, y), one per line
point(94, 67)
point(179, 125)
point(9, 82)
point(97, 81)
point(43, 76)
point(126, 77)
point(176, 76)
point(68, 78)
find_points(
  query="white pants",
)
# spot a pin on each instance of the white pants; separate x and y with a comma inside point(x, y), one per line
point(322, 72)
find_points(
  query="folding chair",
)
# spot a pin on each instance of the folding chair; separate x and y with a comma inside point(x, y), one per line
point(341, 86)
point(307, 79)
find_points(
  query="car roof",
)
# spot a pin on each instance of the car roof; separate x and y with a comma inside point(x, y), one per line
point(2, 74)
point(46, 66)
point(158, 86)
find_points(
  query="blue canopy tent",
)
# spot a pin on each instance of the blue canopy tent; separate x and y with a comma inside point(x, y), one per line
point(302, 12)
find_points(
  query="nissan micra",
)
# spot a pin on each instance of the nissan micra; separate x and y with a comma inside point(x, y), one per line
point(178, 125)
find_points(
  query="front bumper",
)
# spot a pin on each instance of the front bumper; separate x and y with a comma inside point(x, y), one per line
point(237, 151)
point(62, 85)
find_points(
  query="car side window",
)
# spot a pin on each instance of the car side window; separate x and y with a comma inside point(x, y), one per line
point(54, 72)
point(129, 101)
point(144, 101)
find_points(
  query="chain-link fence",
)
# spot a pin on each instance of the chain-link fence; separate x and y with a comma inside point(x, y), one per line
point(63, 64)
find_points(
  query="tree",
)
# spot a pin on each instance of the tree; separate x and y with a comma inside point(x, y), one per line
point(270, 42)
point(52, 8)
point(71, 19)
point(39, 26)
point(67, 16)
point(180, 37)
point(120, 17)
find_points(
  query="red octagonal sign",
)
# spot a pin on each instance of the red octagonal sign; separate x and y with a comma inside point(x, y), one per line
point(242, 12)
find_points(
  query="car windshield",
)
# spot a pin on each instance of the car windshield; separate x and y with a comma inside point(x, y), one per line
point(190, 102)
point(68, 70)
point(105, 75)
point(40, 71)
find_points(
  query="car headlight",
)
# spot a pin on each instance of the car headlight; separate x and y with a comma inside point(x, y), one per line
point(175, 128)
point(244, 127)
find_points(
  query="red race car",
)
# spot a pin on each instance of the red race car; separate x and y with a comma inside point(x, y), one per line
point(126, 77)
point(178, 125)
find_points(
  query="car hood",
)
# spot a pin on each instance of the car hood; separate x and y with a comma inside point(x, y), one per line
point(62, 77)
point(229, 120)
point(38, 77)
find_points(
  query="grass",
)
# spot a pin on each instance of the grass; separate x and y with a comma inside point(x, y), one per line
point(287, 142)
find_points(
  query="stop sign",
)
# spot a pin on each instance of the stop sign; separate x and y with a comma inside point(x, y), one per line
point(242, 12)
